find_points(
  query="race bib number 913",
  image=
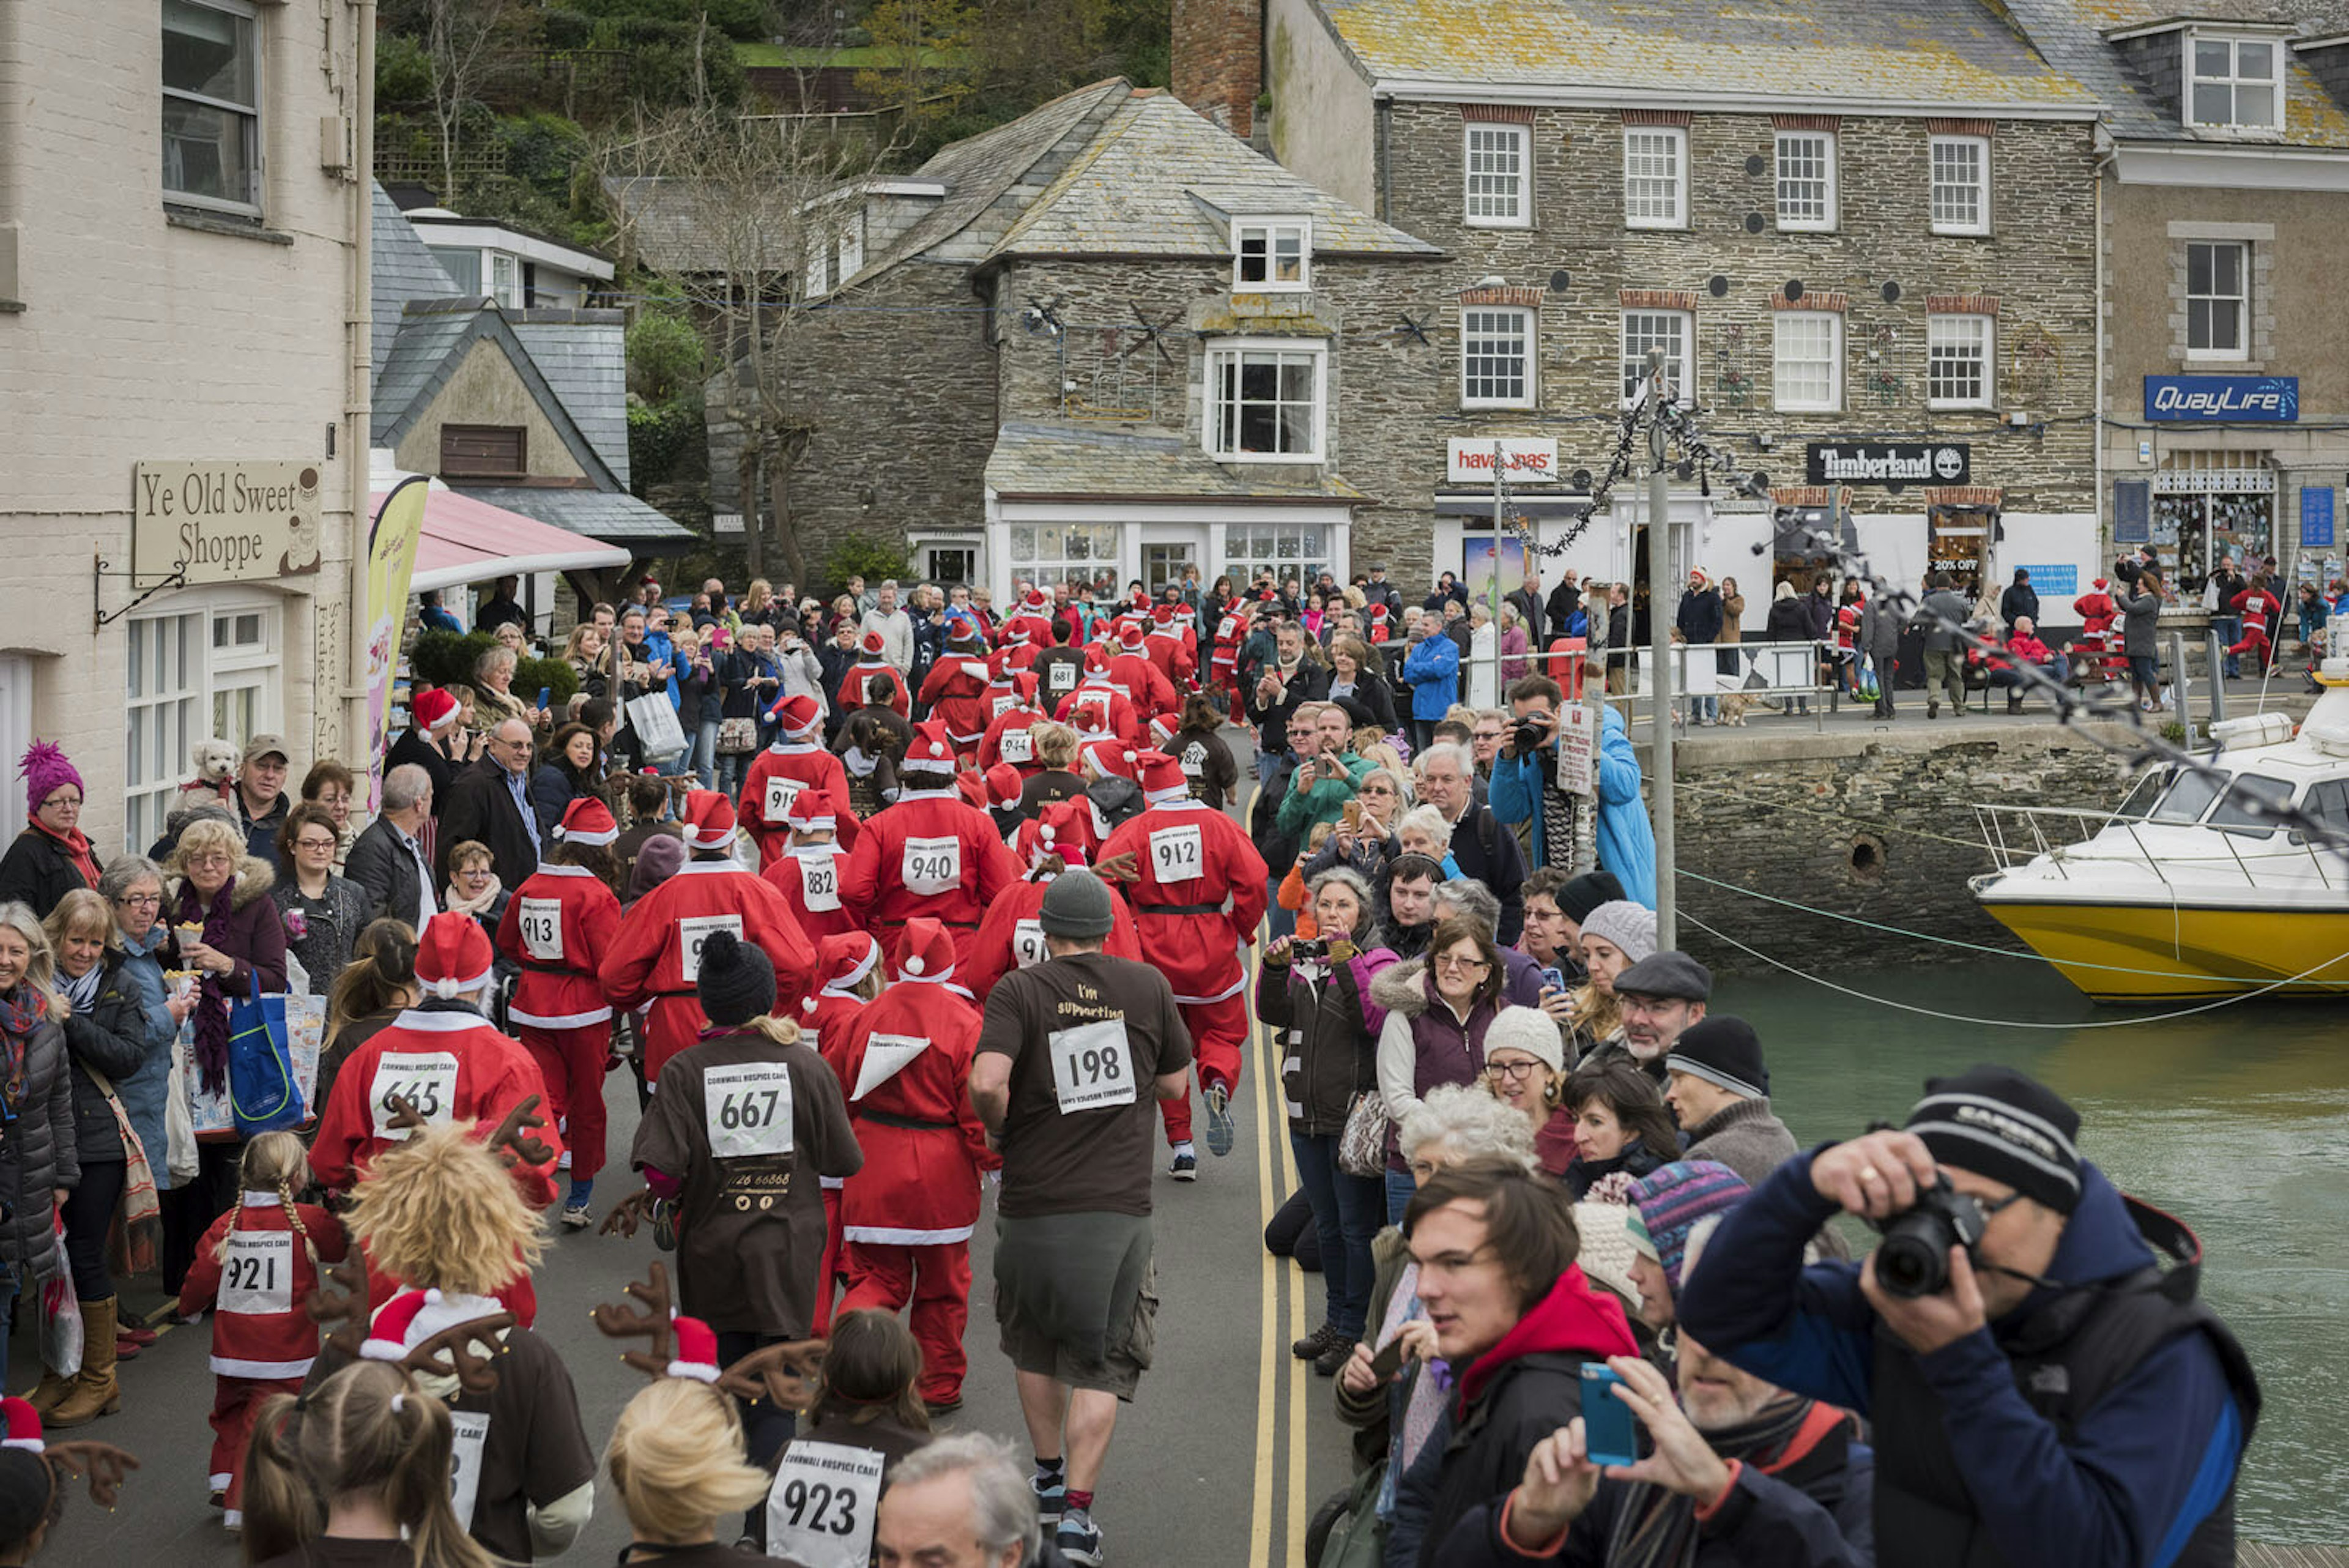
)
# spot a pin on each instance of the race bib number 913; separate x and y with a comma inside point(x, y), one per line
point(542, 928)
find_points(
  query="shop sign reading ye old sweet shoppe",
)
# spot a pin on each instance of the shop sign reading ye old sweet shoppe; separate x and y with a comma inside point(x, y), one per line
point(224, 521)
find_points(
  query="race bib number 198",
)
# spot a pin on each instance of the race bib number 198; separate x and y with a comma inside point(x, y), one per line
point(1092, 1067)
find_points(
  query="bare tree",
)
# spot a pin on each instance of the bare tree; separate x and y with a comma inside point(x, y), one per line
point(751, 212)
point(458, 35)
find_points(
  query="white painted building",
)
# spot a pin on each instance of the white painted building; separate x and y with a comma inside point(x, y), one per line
point(183, 320)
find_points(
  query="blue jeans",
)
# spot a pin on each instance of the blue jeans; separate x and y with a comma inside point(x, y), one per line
point(1346, 1212)
point(1400, 1187)
point(2230, 628)
point(1277, 922)
point(1267, 765)
point(702, 752)
point(730, 769)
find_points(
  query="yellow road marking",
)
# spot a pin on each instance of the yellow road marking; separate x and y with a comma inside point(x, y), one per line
point(1297, 1372)
point(1260, 1519)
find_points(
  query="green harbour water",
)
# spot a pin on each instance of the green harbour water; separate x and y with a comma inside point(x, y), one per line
point(2236, 1120)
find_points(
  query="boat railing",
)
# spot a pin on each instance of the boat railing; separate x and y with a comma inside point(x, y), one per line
point(2018, 835)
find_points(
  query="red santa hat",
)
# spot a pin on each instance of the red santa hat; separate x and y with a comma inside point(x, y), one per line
point(1035, 601)
point(1087, 718)
point(1060, 830)
point(23, 1425)
point(931, 747)
point(1015, 635)
point(395, 1326)
point(1379, 613)
point(433, 709)
point(1113, 757)
point(1163, 614)
point(797, 713)
point(842, 962)
point(1161, 730)
point(1162, 779)
point(697, 1350)
point(811, 812)
point(588, 821)
point(1096, 660)
point(453, 956)
point(872, 644)
point(1129, 634)
point(2100, 585)
point(925, 951)
point(708, 820)
point(1004, 783)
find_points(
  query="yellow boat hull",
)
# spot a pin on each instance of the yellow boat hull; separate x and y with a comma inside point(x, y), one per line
point(2135, 952)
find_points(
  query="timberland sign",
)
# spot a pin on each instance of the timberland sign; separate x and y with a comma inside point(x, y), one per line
point(1889, 463)
point(224, 521)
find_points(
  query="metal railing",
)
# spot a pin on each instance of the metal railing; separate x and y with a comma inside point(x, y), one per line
point(2017, 835)
point(1777, 675)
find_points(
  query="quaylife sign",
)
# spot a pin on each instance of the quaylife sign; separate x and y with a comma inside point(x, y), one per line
point(1525, 460)
point(1889, 462)
point(224, 521)
point(2266, 399)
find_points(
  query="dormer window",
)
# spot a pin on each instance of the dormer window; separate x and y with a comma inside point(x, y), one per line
point(1271, 253)
point(2234, 84)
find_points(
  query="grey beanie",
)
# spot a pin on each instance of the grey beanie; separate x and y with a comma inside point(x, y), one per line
point(1077, 906)
point(1630, 926)
point(1529, 1030)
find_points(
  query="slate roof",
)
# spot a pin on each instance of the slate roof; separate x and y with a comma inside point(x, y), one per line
point(400, 269)
point(583, 354)
point(615, 517)
point(1137, 463)
point(661, 225)
point(1952, 53)
point(435, 334)
point(1137, 189)
point(2072, 34)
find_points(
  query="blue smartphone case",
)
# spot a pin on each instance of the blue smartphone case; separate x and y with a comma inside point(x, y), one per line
point(1610, 1433)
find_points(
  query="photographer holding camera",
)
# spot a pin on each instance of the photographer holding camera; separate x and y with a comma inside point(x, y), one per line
point(1525, 788)
point(2040, 1391)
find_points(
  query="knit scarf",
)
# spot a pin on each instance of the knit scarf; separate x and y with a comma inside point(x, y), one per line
point(77, 848)
point(1557, 817)
point(21, 1011)
point(213, 998)
point(81, 993)
point(1656, 1528)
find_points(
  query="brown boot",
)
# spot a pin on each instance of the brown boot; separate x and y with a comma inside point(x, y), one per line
point(51, 1393)
point(95, 1392)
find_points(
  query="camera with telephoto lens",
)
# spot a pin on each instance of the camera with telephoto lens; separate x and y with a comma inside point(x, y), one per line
point(1914, 1257)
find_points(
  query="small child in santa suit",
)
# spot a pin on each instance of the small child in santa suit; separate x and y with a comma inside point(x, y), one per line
point(258, 1265)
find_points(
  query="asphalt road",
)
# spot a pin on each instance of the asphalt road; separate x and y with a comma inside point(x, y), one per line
point(1221, 1459)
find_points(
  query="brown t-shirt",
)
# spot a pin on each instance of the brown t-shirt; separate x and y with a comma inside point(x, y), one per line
point(1076, 1140)
point(750, 1236)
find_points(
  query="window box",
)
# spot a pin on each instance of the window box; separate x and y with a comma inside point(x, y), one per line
point(1496, 358)
point(1960, 178)
point(1960, 357)
point(1655, 177)
point(1498, 172)
point(1271, 254)
point(1265, 400)
point(211, 105)
point(1807, 180)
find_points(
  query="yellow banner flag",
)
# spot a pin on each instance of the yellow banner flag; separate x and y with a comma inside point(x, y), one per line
point(391, 562)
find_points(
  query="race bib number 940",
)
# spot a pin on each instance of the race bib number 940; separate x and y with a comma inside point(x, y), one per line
point(932, 865)
point(1092, 1068)
point(258, 1278)
point(820, 1510)
point(692, 930)
point(1177, 853)
point(746, 1109)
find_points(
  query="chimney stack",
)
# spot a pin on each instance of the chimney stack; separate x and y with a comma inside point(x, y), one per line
point(1219, 66)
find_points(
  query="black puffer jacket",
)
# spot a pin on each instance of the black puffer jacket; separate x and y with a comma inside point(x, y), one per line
point(37, 870)
point(37, 1155)
point(107, 1037)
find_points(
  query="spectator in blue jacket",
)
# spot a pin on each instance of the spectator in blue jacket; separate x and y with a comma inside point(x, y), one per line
point(433, 616)
point(2058, 1401)
point(1432, 669)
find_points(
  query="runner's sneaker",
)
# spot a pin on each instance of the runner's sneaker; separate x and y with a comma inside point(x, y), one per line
point(1079, 1538)
point(1051, 1500)
point(576, 1217)
point(1220, 1129)
point(1185, 1164)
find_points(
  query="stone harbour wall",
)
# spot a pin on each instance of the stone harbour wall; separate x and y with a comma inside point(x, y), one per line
point(1880, 827)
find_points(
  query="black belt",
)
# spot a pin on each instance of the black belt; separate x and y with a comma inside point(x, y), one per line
point(1178, 909)
point(550, 966)
point(911, 1124)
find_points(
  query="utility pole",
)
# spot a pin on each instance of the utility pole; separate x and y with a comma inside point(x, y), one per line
point(1659, 642)
point(1500, 510)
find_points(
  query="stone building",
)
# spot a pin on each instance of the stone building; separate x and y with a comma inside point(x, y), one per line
point(2225, 213)
point(1106, 341)
point(184, 215)
point(1862, 233)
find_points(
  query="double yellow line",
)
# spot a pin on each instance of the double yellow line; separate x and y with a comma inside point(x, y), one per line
point(1274, 1155)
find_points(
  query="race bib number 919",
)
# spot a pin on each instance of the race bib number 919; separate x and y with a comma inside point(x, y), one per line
point(776, 804)
point(692, 930)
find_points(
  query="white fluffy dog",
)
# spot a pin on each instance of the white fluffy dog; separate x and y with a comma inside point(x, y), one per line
point(215, 761)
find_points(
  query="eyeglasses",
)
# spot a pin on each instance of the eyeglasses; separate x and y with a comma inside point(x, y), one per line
point(1467, 965)
point(62, 802)
point(314, 843)
point(141, 901)
point(213, 857)
point(1512, 1071)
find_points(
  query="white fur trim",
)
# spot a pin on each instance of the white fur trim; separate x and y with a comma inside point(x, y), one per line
point(562, 869)
point(449, 987)
point(440, 1023)
point(887, 1236)
point(591, 839)
point(559, 1020)
point(699, 1371)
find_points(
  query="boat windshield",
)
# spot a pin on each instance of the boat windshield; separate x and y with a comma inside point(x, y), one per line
point(2246, 797)
point(2139, 803)
point(2328, 803)
point(2187, 798)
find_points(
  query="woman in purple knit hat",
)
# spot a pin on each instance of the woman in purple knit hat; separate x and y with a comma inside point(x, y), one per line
point(51, 857)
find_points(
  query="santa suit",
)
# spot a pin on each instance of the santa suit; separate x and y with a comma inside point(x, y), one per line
point(932, 853)
point(454, 1065)
point(1197, 894)
point(263, 1340)
point(906, 1217)
point(1034, 622)
point(1013, 658)
point(1174, 648)
point(558, 925)
point(1019, 749)
point(2098, 613)
point(1146, 684)
point(1106, 708)
point(1010, 938)
point(827, 1020)
point(2256, 606)
point(776, 777)
point(809, 875)
point(851, 694)
point(659, 953)
point(1223, 655)
point(956, 695)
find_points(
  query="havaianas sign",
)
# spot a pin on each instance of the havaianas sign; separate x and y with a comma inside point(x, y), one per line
point(2269, 400)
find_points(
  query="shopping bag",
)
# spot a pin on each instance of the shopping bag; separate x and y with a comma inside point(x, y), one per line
point(61, 1335)
point(260, 1091)
point(306, 1033)
point(660, 737)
